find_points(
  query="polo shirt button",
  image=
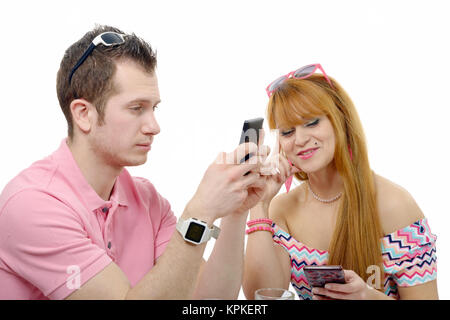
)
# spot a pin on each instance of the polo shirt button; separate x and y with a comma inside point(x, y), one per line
point(105, 210)
point(109, 245)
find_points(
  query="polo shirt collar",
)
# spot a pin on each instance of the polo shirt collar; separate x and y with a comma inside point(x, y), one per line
point(69, 168)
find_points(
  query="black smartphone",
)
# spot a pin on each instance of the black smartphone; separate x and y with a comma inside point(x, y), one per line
point(319, 276)
point(250, 133)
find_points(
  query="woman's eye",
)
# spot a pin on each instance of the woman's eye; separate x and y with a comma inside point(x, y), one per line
point(286, 133)
point(155, 107)
point(313, 123)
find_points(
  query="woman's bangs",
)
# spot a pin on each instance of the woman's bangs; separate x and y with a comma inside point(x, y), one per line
point(294, 107)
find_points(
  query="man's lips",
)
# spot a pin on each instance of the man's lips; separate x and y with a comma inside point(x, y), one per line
point(145, 145)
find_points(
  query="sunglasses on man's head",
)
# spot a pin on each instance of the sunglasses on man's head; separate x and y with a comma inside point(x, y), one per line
point(302, 73)
point(107, 39)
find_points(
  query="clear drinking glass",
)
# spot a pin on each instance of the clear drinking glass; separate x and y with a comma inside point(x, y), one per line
point(273, 294)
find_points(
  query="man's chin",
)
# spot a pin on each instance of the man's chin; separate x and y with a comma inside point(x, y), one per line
point(133, 161)
point(136, 162)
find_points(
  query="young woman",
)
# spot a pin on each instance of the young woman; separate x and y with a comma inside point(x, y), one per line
point(342, 214)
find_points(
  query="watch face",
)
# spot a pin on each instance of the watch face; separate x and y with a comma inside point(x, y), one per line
point(195, 232)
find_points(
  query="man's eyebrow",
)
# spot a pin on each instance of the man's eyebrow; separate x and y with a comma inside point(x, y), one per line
point(144, 100)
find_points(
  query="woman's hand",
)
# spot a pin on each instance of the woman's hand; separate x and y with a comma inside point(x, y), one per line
point(354, 289)
point(277, 169)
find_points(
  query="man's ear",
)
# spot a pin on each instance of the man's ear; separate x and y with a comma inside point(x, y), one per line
point(83, 114)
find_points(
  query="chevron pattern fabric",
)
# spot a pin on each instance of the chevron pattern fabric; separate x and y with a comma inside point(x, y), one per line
point(409, 257)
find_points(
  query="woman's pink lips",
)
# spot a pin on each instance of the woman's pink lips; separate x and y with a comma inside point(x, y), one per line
point(309, 155)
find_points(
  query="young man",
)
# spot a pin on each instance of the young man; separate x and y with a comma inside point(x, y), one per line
point(76, 225)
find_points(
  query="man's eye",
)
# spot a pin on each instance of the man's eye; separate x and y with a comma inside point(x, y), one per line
point(155, 107)
point(138, 108)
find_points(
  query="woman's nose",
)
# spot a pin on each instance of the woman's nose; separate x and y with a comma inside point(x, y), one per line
point(301, 137)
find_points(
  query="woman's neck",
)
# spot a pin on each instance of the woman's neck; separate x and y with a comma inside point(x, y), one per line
point(326, 183)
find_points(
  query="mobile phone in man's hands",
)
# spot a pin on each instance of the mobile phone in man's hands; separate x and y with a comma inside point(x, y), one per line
point(250, 133)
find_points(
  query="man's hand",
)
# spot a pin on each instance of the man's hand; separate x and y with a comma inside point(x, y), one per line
point(226, 188)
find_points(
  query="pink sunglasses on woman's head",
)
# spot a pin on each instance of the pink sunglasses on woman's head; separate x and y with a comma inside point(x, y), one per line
point(302, 73)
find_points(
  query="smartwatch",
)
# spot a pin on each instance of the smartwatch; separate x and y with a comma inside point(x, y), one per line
point(196, 231)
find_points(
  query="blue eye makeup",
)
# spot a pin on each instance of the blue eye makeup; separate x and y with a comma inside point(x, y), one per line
point(313, 123)
point(286, 133)
point(309, 124)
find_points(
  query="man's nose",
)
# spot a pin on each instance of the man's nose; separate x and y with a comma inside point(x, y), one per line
point(150, 125)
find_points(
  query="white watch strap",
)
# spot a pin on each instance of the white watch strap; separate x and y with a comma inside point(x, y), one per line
point(214, 231)
point(181, 226)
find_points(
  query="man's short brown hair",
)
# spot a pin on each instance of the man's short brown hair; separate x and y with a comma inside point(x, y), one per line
point(93, 80)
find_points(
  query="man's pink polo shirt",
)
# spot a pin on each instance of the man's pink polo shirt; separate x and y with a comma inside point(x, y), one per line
point(53, 224)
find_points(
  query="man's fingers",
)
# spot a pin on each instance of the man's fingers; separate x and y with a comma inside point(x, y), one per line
point(247, 156)
point(253, 179)
point(243, 168)
point(264, 151)
point(239, 155)
point(244, 152)
point(221, 158)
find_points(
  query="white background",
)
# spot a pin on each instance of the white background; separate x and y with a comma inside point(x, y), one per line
point(214, 62)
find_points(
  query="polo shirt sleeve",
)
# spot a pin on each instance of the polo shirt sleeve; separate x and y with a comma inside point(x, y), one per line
point(161, 215)
point(166, 228)
point(44, 242)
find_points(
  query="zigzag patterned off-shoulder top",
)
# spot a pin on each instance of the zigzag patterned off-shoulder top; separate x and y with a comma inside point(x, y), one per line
point(409, 258)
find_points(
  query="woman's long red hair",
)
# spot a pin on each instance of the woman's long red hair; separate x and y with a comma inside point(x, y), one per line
point(355, 243)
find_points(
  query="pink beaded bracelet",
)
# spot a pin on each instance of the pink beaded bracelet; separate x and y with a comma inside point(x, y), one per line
point(259, 228)
point(259, 221)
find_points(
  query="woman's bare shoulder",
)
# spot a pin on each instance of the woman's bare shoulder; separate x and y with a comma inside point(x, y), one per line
point(283, 204)
point(397, 208)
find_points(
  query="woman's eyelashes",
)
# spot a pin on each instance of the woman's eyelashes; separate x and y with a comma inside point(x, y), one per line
point(287, 132)
point(309, 124)
point(313, 123)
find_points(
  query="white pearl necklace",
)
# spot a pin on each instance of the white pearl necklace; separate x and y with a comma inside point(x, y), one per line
point(323, 200)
